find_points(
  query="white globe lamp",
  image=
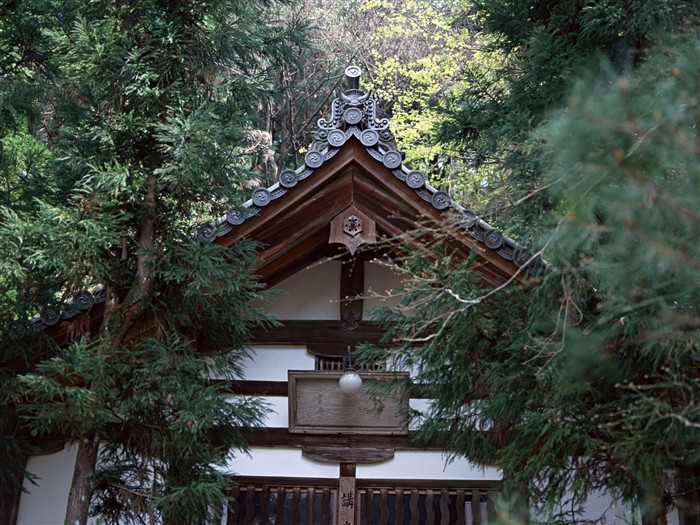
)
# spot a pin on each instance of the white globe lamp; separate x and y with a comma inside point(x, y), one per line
point(350, 382)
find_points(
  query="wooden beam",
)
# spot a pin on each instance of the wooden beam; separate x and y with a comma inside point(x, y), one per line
point(352, 288)
point(257, 388)
point(320, 333)
point(361, 456)
point(280, 437)
point(281, 389)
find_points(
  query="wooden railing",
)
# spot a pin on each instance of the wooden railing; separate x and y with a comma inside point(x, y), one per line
point(423, 506)
point(263, 504)
point(256, 505)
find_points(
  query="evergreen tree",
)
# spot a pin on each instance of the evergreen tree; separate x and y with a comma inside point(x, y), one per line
point(587, 381)
point(146, 121)
point(540, 47)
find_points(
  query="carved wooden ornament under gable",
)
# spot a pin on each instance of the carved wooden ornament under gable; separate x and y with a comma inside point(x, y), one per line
point(352, 228)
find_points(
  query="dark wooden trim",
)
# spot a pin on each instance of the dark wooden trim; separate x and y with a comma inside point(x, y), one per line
point(312, 333)
point(277, 481)
point(280, 437)
point(484, 485)
point(360, 456)
point(281, 389)
point(258, 388)
point(352, 288)
point(347, 469)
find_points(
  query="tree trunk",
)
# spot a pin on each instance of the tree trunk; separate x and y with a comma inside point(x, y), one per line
point(82, 485)
point(652, 506)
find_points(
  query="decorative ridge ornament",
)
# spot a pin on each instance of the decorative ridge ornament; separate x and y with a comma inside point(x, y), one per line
point(354, 114)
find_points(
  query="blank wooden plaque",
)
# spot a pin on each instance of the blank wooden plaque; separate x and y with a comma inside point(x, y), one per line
point(318, 406)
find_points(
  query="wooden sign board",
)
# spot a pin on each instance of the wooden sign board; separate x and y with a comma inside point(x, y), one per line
point(318, 406)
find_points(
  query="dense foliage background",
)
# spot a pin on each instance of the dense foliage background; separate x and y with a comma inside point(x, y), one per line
point(571, 124)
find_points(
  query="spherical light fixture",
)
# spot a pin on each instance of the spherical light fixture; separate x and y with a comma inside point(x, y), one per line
point(350, 382)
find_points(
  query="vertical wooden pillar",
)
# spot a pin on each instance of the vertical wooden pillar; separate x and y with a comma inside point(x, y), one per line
point(352, 286)
point(347, 496)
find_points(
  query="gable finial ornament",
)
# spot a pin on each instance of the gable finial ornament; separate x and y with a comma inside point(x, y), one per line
point(354, 114)
point(352, 225)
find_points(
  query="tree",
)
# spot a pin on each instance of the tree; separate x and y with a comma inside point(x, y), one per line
point(410, 52)
point(540, 48)
point(587, 381)
point(145, 119)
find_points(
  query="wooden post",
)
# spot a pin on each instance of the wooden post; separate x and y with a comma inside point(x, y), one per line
point(347, 502)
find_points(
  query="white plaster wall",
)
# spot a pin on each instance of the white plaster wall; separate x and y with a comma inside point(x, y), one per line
point(426, 465)
point(283, 461)
point(45, 504)
point(280, 461)
point(278, 416)
point(313, 293)
point(271, 362)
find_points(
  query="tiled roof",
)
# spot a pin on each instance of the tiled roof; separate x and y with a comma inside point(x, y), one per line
point(354, 114)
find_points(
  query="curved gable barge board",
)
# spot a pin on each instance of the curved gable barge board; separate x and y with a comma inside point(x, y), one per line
point(289, 227)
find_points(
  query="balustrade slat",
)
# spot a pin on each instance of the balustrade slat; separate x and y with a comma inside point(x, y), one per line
point(476, 507)
point(383, 507)
point(444, 507)
point(368, 507)
point(459, 505)
point(265, 505)
point(310, 495)
point(429, 509)
point(325, 507)
point(413, 506)
point(279, 506)
point(233, 506)
point(399, 507)
point(249, 505)
point(296, 498)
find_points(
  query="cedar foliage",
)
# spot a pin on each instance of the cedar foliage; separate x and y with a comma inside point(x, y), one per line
point(544, 46)
point(586, 382)
point(144, 115)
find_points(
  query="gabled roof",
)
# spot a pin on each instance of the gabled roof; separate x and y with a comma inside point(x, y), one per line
point(354, 161)
point(353, 164)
